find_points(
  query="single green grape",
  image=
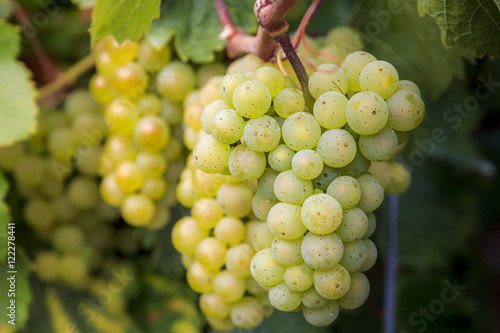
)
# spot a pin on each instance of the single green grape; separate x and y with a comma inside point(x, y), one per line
point(337, 148)
point(327, 77)
point(301, 131)
point(379, 77)
point(330, 110)
point(175, 81)
point(252, 99)
point(246, 164)
point(262, 134)
point(367, 113)
point(288, 101)
point(321, 213)
point(307, 164)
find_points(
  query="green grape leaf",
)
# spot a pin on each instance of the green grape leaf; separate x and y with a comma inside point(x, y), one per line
point(124, 19)
point(9, 41)
point(17, 98)
point(84, 4)
point(473, 24)
point(21, 293)
point(242, 15)
point(195, 26)
point(394, 32)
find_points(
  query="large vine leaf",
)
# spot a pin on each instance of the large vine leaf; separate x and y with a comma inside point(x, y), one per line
point(473, 24)
point(17, 99)
point(196, 28)
point(9, 41)
point(393, 31)
point(124, 19)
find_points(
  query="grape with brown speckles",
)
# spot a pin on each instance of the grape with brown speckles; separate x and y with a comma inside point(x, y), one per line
point(337, 148)
point(372, 193)
point(366, 113)
point(332, 283)
point(284, 298)
point(285, 221)
point(321, 213)
point(353, 226)
point(380, 146)
point(379, 77)
point(327, 77)
point(301, 131)
point(346, 190)
point(265, 270)
point(406, 110)
point(354, 255)
point(299, 277)
point(210, 155)
point(322, 251)
point(292, 189)
point(322, 316)
point(357, 294)
point(246, 164)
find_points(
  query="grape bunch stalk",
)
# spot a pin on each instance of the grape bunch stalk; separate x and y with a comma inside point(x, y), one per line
point(315, 195)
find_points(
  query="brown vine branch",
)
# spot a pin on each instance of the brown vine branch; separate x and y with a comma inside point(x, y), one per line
point(67, 77)
point(48, 67)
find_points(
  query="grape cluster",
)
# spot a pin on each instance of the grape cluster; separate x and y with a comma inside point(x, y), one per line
point(315, 195)
point(139, 88)
point(56, 173)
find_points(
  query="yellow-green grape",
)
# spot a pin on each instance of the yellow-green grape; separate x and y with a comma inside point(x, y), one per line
point(400, 179)
point(187, 193)
point(261, 206)
point(280, 158)
point(251, 99)
point(327, 77)
point(186, 235)
point(121, 116)
point(187, 261)
point(209, 112)
point(321, 213)
point(379, 77)
point(207, 184)
point(235, 199)
point(46, 266)
point(129, 177)
point(149, 104)
point(222, 325)
point(229, 287)
point(261, 237)
point(83, 193)
point(119, 148)
point(227, 126)
point(272, 78)
point(337, 148)
point(154, 188)
point(332, 283)
point(250, 228)
point(372, 193)
point(380, 146)
point(160, 219)
point(367, 113)
point(138, 210)
point(346, 37)
point(322, 252)
point(265, 184)
point(105, 64)
point(78, 102)
point(353, 226)
point(284, 298)
point(101, 88)
point(151, 165)
point(238, 259)
point(9, 156)
point(292, 189)
point(210, 155)
point(307, 164)
point(210, 91)
point(287, 252)
point(327, 175)
point(354, 255)
point(371, 255)
point(153, 58)
point(353, 64)
point(246, 164)
point(175, 81)
point(130, 80)
point(228, 85)
point(211, 253)
point(206, 212)
point(38, 214)
point(406, 110)
point(207, 71)
point(299, 277)
point(285, 221)
point(73, 270)
point(358, 166)
point(322, 316)
point(171, 112)
point(212, 306)
point(372, 225)
point(312, 299)
point(262, 134)
point(301, 131)
point(230, 231)
point(200, 279)
point(86, 123)
point(247, 313)
point(265, 269)
point(68, 238)
point(63, 209)
point(60, 144)
point(330, 110)
point(254, 288)
point(121, 53)
point(357, 294)
point(111, 193)
point(408, 85)
point(346, 190)
point(192, 114)
point(151, 133)
point(288, 101)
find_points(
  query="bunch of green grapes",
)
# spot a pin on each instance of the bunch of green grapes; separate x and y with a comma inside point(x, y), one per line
point(315, 195)
point(215, 241)
point(140, 90)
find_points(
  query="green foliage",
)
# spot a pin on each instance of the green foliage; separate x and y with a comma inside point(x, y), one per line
point(124, 19)
point(393, 31)
point(84, 4)
point(473, 24)
point(4, 216)
point(22, 290)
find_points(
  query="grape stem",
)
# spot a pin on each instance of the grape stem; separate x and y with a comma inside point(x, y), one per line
point(67, 77)
point(390, 275)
